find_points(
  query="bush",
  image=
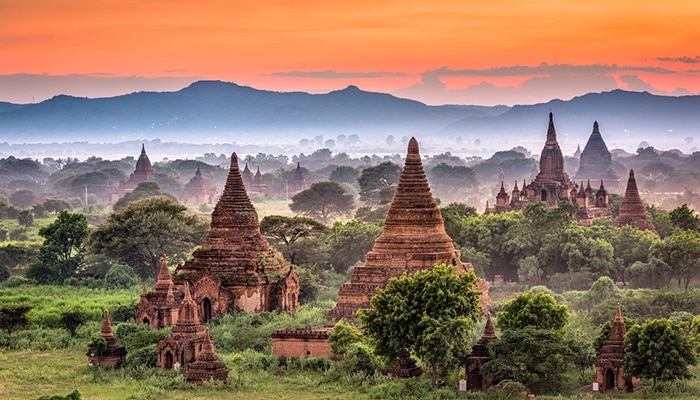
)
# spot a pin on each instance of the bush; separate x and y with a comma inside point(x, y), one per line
point(506, 390)
point(120, 276)
point(4, 273)
point(17, 281)
point(74, 395)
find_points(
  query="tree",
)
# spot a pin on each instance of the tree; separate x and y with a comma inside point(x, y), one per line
point(56, 205)
point(23, 198)
point(659, 350)
point(323, 200)
point(287, 231)
point(25, 218)
point(141, 233)
point(684, 218)
point(681, 251)
point(451, 183)
point(429, 314)
point(349, 242)
point(342, 336)
point(142, 191)
point(536, 310)
point(344, 174)
point(61, 253)
point(13, 316)
point(72, 319)
point(377, 184)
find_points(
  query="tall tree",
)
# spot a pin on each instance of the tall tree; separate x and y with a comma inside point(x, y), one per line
point(681, 251)
point(142, 232)
point(377, 184)
point(287, 231)
point(62, 251)
point(659, 350)
point(349, 242)
point(429, 314)
point(142, 191)
point(684, 217)
point(13, 316)
point(322, 201)
point(536, 310)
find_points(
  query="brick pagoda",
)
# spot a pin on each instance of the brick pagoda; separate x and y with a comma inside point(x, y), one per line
point(182, 346)
point(114, 353)
point(199, 191)
point(206, 365)
point(596, 161)
point(297, 183)
point(610, 364)
point(160, 307)
point(632, 210)
point(413, 239)
point(478, 357)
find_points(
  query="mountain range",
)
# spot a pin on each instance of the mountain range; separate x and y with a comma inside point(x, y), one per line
point(220, 112)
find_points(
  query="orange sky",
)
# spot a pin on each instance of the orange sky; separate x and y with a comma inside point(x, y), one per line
point(435, 51)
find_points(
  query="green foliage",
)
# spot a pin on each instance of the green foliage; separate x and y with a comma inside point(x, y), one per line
point(288, 233)
point(349, 242)
point(13, 316)
point(377, 184)
point(605, 329)
point(4, 273)
point(72, 319)
point(74, 395)
point(344, 174)
point(61, 253)
point(654, 274)
point(120, 276)
point(361, 359)
point(142, 191)
point(659, 350)
point(25, 218)
point(684, 218)
point(505, 390)
point(681, 251)
point(342, 336)
point(429, 313)
point(97, 345)
point(451, 182)
point(146, 230)
point(535, 310)
point(322, 201)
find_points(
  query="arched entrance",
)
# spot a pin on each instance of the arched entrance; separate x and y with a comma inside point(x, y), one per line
point(146, 321)
point(168, 360)
point(544, 195)
point(609, 380)
point(206, 309)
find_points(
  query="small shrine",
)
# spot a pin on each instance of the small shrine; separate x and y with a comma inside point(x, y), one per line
point(610, 364)
point(113, 353)
point(632, 209)
point(199, 191)
point(478, 357)
point(160, 307)
point(182, 346)
point(206, 365)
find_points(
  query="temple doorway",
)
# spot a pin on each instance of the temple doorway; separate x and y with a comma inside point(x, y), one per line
point(168, 360)
point(544, 195)
point(206, 309)
point(609, 380)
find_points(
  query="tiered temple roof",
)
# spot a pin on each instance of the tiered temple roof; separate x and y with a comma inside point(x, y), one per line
point(182, 346)
point(479, 356)
point(413, 239)
point(198, 190)
point(632, 209)
point(610, 364)
point(206, 365)
point(159, 308)
point(297, 183)
point(596, 161)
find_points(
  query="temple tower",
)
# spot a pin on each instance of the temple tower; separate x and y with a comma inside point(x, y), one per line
point(198, 190)
point(247, 176)
point(235, 268)
point(114, 353)
point(610, 364)
point(596, 161)
point(206, 365)
point(143, 172)
point(632, 210)
point(182, 346)
point(478, 357)
point(159, 308)
point(297, 183)
point(413, 239)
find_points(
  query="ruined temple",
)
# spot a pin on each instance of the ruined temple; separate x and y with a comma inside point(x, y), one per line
point(258, 185)
point(303, 342)
point(247, 176)
point(413, 239)
point(478, 357)
point(142, 173)
point(182, 346)
point(235, 268)
point(551, 184)
point(159, 308)
point(199, 191)
point(610, 364)
point(596, 161)
point(632, 209)
point(206, 364)
point(297, 183)
point(113, 353)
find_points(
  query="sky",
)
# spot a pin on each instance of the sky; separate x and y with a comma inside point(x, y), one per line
point(438, 52)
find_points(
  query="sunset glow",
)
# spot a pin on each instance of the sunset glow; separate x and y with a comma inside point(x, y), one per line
point(405, 47)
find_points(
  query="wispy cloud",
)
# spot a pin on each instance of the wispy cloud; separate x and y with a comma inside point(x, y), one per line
point(544, 68)
point(686, 60)
point(331, 74)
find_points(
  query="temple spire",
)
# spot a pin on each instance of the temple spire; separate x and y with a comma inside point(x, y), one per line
point(165, 280)
point(632, 209)
point(551, 131)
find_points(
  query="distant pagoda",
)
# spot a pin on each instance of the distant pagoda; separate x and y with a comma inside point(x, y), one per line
point(632, 209)
point(596, 161)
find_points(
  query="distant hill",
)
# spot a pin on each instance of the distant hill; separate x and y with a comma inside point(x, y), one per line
point(213, 111)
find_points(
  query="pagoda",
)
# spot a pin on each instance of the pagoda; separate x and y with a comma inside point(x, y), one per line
point(113, 353)
point(478, 357)
point(413, 239)
point(610, 364)
point(159, 308)
point(297, 183)
point(247, 176)
point(182, 346)
point(206, 364)
point(198, 190)
point(632, 209)
point(235, 268)
point(596, 161)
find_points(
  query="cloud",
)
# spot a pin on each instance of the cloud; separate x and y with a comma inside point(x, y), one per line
point(686, 60)
point(544, 68)
point(634, 83)
point(331, 74)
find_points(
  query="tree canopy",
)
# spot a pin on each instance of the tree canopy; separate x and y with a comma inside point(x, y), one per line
point(429, 314)
point(536, 310)
point(288, 232)
point(142, 232)
point(322, 201)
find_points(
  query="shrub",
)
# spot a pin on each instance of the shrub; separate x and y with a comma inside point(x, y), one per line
point(120, 276)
